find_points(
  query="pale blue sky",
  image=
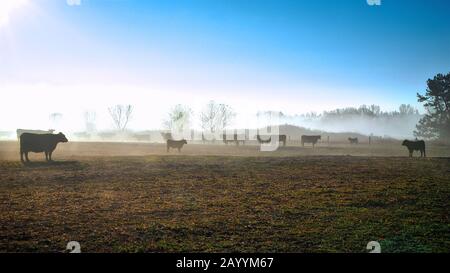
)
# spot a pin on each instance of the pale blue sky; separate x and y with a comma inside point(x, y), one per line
point(295, 56)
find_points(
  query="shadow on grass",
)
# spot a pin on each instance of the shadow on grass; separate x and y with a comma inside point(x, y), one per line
point(37, 164)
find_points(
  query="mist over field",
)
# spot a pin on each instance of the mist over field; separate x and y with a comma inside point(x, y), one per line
point(397, 126)
point(93, 118)
point(224, 126)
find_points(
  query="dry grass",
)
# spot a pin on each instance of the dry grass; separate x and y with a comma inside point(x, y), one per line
point(134, 197)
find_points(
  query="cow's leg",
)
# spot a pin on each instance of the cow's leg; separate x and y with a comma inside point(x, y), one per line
point(21, 155)
point(26, 157)
point(46, 156)
point(424, 153)
point(50, 156)
point(410, 153)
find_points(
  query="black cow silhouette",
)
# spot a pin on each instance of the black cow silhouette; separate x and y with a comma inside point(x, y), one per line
point(39, 143)
point(415, 146)
point(175, 144)
point(310, 139)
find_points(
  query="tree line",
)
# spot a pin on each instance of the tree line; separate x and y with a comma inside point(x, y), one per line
point(215, 117)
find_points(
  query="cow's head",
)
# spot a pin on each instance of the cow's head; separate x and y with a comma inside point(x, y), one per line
point(62, 137)
point(405, 142)
point(184, 141)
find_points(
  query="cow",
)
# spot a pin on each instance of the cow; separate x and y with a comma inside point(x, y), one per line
point(40, 143)
point(415, 146)
point(353, 140)
point(310, 139)
point(39, 132)
point(175, 144)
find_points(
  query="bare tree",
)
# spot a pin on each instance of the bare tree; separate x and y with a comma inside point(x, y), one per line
point(55, 119)
point(216, 117)
point(225, 117)
point(179, 118)
point(121, 115)
point(89, 121)
point(208, 117)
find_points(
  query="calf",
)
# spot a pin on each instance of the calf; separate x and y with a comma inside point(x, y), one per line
point(353, 140)
point(39, 143)
point(415, 146)
point(175, 144)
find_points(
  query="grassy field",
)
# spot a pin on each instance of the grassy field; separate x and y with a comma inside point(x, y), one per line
point(116, 197)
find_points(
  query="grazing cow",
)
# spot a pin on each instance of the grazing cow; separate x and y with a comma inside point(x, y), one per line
point(39, 132)
point(175, 144)
point(353, 140)
point(281, 138)
point(38, 143)
point(310, 139)
point(415, 146)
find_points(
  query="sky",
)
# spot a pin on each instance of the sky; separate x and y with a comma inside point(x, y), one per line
point(72, 56)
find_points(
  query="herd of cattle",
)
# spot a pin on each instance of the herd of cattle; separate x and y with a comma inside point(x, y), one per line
point(281, 139)
point(40, 141)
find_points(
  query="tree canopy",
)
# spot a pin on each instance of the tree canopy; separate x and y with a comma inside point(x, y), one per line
point(436, 122)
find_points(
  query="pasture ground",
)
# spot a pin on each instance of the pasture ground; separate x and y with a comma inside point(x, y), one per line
point(134, 197)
